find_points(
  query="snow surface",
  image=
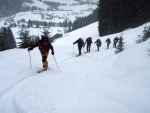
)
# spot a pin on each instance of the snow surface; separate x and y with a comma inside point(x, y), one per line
point(96, 82)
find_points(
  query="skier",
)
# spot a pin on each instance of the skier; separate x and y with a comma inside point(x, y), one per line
point(98, 43)
point(115, 41)
point(80, 44)
point(89, 42)
point(108, 42)
point(44, 46)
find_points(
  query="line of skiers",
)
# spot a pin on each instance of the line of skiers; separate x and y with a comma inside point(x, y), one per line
point(45, 45)
point(98, 43)
point(88, 43)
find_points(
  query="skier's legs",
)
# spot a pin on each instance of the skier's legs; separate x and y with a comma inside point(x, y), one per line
point(115, 44)
point(89, 47)
point(97, 48)
point(79, 48)
point(44, 59)
point(107, 45)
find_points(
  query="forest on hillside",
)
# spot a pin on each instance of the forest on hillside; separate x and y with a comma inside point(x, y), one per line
point(117, 15)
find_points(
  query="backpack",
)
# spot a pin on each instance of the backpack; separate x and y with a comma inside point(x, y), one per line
point(45, 38)
point(89, 40)
point(98, 42)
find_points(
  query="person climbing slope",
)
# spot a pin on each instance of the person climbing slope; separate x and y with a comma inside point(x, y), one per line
point(44, 46)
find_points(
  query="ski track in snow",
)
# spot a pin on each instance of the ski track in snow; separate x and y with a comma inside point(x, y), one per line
point(9, 94)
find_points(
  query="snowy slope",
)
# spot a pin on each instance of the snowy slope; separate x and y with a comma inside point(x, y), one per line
point(96, 82)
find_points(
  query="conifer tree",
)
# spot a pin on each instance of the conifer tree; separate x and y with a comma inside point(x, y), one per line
point(37, 24)
point(34, 39)
point(145, 35)
point(118, 15)
point(83, 21)
point(29, 24)
point(120, 47)
point(148, 49)
point(7, 40)
point(1, 40)
point(25, 39)
point(11, 40)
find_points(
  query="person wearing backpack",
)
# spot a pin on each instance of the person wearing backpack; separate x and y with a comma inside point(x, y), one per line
point(44, 46)
point(89, 42)
point(115, 42)
point(98, 43)
point(80, 44)
point(108, 41)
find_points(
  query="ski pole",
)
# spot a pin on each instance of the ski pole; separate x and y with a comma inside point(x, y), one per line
point(30, 59)
point(55, 61)
point(73, 48)
point(83, 49)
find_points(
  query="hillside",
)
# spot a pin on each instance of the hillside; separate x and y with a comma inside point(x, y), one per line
point(53, 17)
point(96, 82)
point(9, 9)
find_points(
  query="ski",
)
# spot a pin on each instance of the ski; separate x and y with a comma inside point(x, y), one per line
point(78, 55)
point(41, 70)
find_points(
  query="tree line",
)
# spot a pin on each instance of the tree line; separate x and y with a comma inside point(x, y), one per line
point(84, 21)
point(7, 40)
point(117, 15)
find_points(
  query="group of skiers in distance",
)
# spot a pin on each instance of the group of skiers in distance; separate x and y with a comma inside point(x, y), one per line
point(98, 43)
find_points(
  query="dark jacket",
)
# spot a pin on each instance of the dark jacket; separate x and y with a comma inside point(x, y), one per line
point(88, 41)
point(116, 39)
point(98, 42)
point(108, 41)
point(43, 46)
point(80, 42)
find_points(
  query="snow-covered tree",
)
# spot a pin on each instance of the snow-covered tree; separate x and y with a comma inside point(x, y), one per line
point(145, 35)
point(7, 40)
point(120, 47)
point(25, 39)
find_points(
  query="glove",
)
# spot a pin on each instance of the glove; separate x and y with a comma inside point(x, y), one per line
point(52, 52)
point(73, 43)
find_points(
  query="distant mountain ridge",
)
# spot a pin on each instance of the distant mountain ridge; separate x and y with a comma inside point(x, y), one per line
point(8, 7)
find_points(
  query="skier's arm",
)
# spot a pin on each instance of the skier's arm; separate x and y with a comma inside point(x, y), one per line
point(96, 41)
point(33, 46)
point(52, 49)
point(75, 42)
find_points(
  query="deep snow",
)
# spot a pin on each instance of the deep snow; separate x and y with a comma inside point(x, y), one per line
point(96, 82)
